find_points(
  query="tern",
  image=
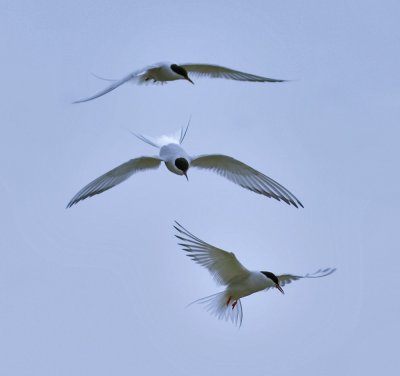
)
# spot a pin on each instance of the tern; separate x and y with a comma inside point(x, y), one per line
point(178, 161)
point(161, 73)
point(227, 271)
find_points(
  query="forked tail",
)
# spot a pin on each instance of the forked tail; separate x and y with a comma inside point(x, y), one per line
point(158, 142)
point(223, 307)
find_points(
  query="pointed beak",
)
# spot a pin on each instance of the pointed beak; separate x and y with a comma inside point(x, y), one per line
point(280, 289)
point(186, 176)
point(187, 77)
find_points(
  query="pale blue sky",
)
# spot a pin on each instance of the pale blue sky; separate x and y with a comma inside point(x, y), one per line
point(101, 288)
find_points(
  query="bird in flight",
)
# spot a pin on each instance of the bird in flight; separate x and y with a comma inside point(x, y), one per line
point(163, 72)
point(227, 271)
point(178, 161)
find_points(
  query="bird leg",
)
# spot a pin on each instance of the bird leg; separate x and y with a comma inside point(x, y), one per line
point(234, 304)
point(227, 303)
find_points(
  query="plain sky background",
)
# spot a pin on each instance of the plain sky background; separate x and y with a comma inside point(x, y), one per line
point(101, 288)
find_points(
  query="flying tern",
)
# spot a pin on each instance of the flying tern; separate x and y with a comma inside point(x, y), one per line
point(163, 72)
point(178, 161)
point(228, 271)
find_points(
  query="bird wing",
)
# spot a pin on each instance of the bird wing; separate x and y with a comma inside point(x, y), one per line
point(223, 266)
point(216, 71)
point(245, 176)
point(285, 279)
point(115, 83)
point(114, 177)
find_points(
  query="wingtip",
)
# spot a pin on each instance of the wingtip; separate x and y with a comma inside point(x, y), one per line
point(297, 204)
point(278, 80)
point(177, 224)
point(71, 203)
point(80, 101)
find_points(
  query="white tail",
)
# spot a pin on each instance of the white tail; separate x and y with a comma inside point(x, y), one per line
point(220, 306)
point(158, 142)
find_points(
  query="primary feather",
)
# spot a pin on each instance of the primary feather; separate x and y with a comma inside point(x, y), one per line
point(285, 279)
point(217, 71)
point(222, 265)
point(114, 177)
point(245, 176)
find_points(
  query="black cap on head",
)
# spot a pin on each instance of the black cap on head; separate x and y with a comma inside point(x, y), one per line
point(182, 164)
point(179, 70)
point(271, 276)
point(275, 279)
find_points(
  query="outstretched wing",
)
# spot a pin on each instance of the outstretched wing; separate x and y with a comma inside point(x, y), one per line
point(137, 75)
point(216, 71)
point(245, 176)
point(114, 177)
point(285, 279)
point(223, 266)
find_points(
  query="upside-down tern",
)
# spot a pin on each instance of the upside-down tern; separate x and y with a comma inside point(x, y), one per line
point(178, 161)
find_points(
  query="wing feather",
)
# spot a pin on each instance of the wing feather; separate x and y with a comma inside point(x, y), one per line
point(217, 71)
point(137, 76)
point(286, 279)
point(245, 176)
point(114, 177)
point(222, 265)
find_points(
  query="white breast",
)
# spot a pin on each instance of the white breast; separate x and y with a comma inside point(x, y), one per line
point(256, 281)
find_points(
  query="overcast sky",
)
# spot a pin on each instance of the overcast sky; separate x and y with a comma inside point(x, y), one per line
point(101, 288)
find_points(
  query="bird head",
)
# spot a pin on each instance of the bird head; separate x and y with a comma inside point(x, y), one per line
point(274, 279)
point(182, 165)
point(181, 71)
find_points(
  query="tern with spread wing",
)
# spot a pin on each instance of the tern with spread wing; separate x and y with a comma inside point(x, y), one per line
point(178, 161)
point(228, 271)
point(164, 72)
